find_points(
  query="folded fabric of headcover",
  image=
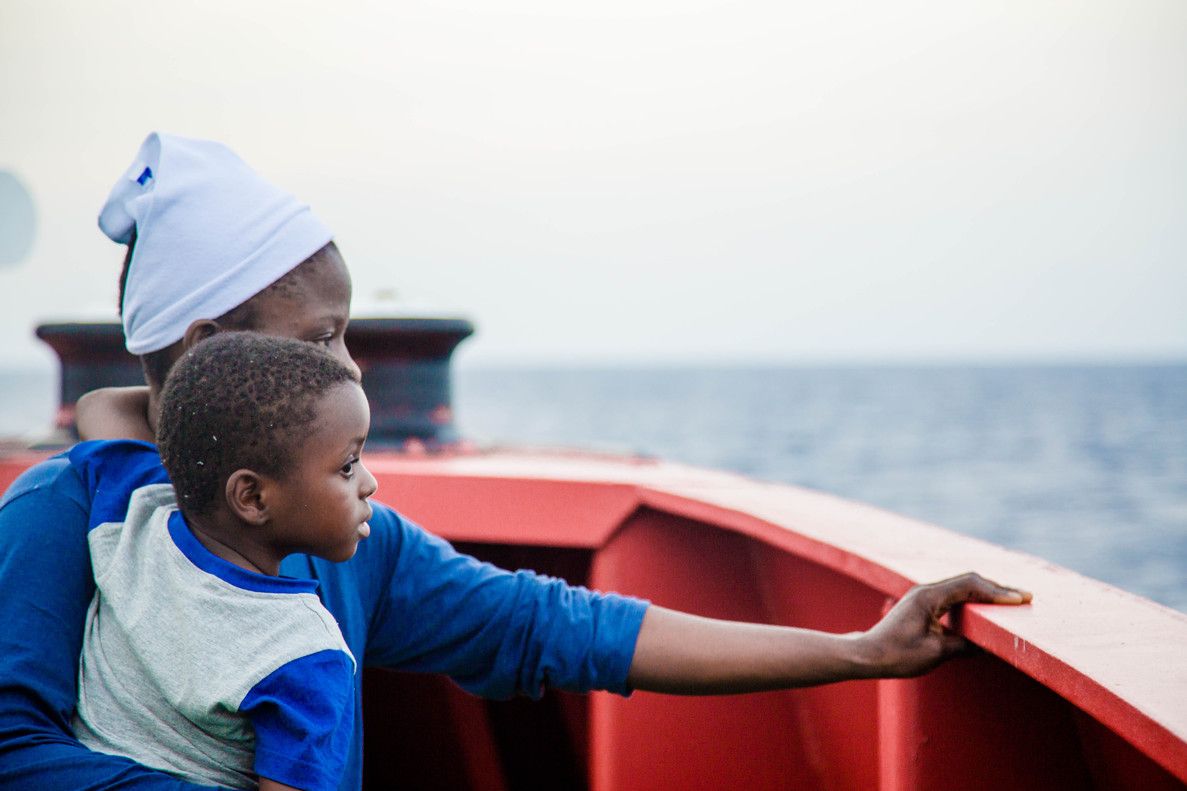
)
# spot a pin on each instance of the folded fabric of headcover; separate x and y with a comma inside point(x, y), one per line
point(210, 234)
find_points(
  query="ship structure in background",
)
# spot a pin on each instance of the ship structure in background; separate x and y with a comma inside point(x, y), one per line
point(405, 364)
point(1084, 689)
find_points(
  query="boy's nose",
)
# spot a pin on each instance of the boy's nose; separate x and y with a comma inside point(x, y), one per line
point(367, 483)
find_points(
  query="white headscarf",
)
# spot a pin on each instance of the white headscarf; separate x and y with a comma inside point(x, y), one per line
point(210, 234)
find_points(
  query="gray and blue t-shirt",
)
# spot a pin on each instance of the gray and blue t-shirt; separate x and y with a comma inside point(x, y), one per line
point(193, 665)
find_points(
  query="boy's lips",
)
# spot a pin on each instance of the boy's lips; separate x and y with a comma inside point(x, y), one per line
point(364, 530)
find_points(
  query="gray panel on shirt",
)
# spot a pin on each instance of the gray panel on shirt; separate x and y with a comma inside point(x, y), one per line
point(170, 650)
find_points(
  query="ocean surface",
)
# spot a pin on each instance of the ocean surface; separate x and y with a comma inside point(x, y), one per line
point(1085, 466)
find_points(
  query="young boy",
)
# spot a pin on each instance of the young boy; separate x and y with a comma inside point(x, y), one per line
point(198, 659)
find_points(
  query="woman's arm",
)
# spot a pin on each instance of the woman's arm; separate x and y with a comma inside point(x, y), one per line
point(114, 413)
point(686, 654)
point(273, 785)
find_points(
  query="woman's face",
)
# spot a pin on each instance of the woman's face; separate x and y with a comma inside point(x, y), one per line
point(314, 306)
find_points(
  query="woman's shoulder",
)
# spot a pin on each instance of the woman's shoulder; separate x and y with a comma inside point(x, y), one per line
point(54, 480)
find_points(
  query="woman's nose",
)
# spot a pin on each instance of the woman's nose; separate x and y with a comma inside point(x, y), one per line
point(340, 351)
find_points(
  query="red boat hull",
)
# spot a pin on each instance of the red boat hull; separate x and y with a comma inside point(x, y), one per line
point(1086, 688)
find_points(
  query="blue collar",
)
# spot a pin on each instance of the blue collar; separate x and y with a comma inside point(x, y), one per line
point(226, 571)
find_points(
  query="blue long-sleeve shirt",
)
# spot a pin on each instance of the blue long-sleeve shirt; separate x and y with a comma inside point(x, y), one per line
point(406, 600)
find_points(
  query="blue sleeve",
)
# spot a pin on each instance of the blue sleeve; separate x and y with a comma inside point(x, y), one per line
point(111, 470)
point(46, 587)
point(495, 632)
point(303, 715)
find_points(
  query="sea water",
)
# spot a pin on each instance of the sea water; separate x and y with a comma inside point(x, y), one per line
point(1085, 466)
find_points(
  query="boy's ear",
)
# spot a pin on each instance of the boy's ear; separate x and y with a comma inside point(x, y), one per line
point(245, 497)
point(198, 331)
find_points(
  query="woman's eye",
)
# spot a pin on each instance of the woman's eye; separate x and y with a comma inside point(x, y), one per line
point(324, 340)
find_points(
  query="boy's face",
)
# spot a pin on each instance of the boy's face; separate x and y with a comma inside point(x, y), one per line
point(316, 308)
point(320, 507)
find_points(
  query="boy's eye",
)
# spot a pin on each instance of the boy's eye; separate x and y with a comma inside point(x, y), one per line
point(348, 468)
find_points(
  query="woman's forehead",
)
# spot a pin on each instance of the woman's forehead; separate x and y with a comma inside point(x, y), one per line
point(318, 290)
point(323, 272)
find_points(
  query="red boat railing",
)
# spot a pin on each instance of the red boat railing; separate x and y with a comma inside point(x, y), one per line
point(1085, 688)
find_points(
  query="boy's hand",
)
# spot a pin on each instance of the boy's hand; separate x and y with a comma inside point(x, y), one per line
point(114, 413)
point(910, 640)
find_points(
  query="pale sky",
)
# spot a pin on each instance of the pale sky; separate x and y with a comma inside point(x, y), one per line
point(652, 181)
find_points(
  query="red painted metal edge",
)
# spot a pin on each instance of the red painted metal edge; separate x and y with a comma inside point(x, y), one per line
point(1113, 655)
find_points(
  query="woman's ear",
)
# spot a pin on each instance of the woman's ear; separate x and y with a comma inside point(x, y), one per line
point(245, 497)
point(197, 332)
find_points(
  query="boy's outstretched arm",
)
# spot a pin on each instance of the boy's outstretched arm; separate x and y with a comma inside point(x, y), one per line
point(114, 413)
point(689, 655)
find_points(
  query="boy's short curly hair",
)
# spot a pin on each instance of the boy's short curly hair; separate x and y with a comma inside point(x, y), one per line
point(239, 400)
